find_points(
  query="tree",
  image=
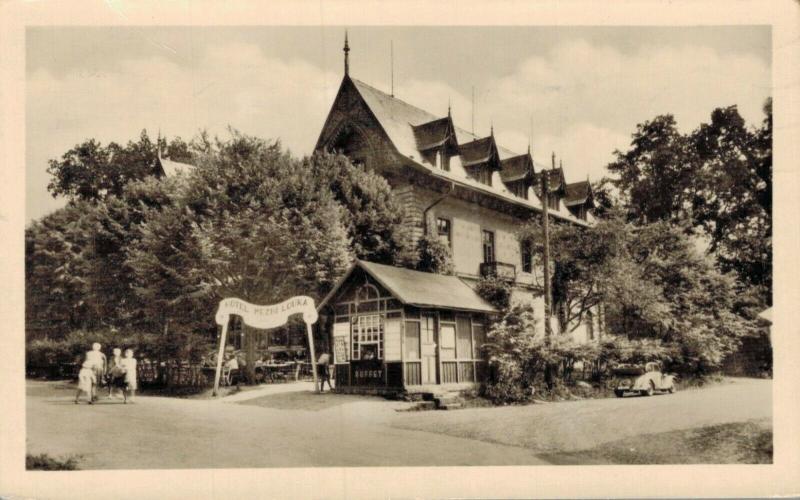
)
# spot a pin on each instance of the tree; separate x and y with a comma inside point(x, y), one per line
point(734, 206)
point(251, 222)
point(718, 178)
point(655, 177)
point(91, 171)
point(372, 217)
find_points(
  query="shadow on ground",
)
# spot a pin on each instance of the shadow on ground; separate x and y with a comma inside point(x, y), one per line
point(308, 401)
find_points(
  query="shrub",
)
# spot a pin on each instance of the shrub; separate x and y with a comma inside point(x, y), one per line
point(495, 291)
point(46, 462)
point(434, 256)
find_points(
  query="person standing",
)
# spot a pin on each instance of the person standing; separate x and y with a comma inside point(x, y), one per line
point(97, 362)
point(116, 372)
point(322, 371)
point(129, 364)
point(86, 382)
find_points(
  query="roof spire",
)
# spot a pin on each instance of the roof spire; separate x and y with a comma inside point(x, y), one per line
point(158, 144)
point(560, 164)
point(554, 160)
point(491, 128)
point(448, 107)
point(346, 55)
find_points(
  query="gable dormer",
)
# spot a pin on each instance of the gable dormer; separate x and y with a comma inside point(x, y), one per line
point(436, 142)
point(556, 186)
point(579, 199)
point(518, 174)
point(480, 159)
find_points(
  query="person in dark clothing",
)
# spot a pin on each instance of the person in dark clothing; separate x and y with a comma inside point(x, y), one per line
point(323, 372)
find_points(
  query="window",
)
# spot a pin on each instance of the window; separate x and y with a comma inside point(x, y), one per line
point(479, 333)
point(519, 189)
point(368, 337)
point(488, 246)
point(444, 231)
point(527, 256)
point(552, 202)
point(445, 162)
point(463, 337)
point(412, 340)
point(483, 175)
point(367, 292)
point(448, 341)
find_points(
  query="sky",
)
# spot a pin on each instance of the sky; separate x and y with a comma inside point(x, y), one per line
point(577, 91)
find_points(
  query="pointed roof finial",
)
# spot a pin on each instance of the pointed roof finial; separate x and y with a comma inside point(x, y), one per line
point(560, 164)
point(158, 144)
point(346, 55)
point(491, 128)
point(529, 147)
point(448, 107)
point(554, 160)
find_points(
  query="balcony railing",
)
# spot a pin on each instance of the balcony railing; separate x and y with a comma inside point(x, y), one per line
point(500, 269)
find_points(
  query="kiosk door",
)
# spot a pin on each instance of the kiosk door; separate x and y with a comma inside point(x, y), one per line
point(428, 349)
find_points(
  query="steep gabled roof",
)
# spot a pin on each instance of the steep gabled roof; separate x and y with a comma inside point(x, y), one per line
point(434, 134)
point(171, 168)
point(517, 168)
point(419, 289)
point(579, 193)
point(478, 151)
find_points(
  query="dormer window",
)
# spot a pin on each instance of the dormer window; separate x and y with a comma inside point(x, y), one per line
point(482, 175)
point(552, 202)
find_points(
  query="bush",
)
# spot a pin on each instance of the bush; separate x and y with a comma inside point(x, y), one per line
point(71, 348)
point(495, 291)
point(434, 256)
point(46, 462)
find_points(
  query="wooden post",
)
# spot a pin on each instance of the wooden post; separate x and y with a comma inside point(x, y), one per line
point(546, 229)
point(313, 356)
point(222, 339)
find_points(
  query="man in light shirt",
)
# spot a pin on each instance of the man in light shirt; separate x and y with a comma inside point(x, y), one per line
point(97, 360)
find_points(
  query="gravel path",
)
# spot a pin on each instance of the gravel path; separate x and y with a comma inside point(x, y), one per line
point(577, 425)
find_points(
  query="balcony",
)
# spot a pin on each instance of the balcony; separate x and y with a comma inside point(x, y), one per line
point(502, 270)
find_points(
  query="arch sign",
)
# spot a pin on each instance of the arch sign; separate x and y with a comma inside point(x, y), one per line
point(263, 317)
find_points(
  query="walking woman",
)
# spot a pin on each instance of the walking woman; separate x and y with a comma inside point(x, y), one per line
point(116, 372)
point(86, 382)
point(129, 364)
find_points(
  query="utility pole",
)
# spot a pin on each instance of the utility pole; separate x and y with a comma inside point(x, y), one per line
point(546, 229)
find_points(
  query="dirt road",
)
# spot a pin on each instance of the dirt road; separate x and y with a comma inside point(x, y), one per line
point(281, 427)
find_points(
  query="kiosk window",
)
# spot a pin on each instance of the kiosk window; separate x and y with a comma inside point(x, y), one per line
point(368, 337)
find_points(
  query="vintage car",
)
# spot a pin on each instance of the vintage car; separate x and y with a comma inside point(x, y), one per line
point(643, 380)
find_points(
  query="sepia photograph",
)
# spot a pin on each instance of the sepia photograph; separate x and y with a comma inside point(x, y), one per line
point(352, 245)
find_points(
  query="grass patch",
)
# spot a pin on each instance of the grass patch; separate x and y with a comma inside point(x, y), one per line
point(43, 461)
point(737, 443)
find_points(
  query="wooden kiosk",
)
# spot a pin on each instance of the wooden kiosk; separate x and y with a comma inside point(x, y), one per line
point(395, 330)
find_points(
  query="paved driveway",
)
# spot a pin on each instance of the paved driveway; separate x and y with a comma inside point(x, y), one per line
point(288, 426)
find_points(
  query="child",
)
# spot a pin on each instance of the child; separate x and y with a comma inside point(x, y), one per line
point(129, 364)
point(86, 382)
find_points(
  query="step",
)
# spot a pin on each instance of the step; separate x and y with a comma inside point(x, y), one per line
point(451, 406)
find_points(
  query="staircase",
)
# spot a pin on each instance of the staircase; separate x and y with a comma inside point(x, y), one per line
point(446, 400)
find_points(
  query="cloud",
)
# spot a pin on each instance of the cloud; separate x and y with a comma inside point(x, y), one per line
point(580, 100)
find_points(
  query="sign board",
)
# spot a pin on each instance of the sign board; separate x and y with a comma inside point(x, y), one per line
point(263, 317)
point(271, 316)
point(341, 342)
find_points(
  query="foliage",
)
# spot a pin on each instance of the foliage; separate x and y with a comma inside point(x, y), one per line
point(508, 351)
point(252, 223)
point(715, 181)
point(587, 263)
point(372, 217)
point(43, 461)
point(495, 291)
point(434, 256)
point(91, 171)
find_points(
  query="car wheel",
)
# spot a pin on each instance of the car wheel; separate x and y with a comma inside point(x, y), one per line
point(619, 394)
point(651, 389)
point(671, 389)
